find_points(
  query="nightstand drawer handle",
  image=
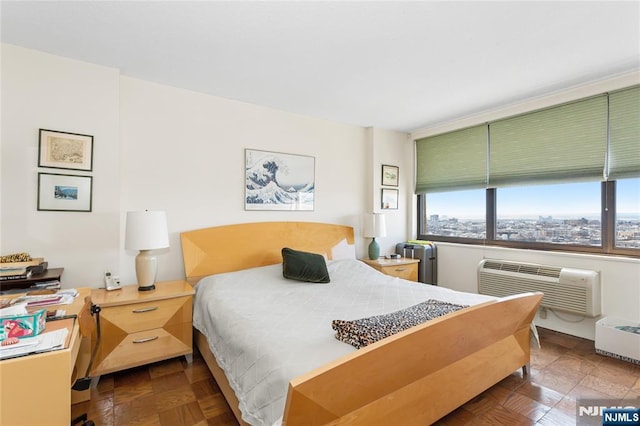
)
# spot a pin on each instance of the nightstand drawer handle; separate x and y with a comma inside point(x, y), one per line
point(143, 310)
point(401, 269)
point(146, 339)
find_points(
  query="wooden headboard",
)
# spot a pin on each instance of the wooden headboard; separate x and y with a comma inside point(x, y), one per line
point(233, 247)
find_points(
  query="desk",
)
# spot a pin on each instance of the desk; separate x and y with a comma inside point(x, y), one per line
point(36, 389)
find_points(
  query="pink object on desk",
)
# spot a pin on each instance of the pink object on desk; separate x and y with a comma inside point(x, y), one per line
point(43, 302)
point(10, 341)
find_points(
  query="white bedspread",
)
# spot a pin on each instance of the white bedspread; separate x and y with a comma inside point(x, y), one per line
point(265, 330)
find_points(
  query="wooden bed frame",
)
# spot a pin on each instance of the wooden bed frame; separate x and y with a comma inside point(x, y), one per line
point(414, 377)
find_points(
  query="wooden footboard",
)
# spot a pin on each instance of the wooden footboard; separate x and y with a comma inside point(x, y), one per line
point(414, 377)
point(421, 374)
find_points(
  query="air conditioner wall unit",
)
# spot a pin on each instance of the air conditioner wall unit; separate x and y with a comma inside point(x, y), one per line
point(565, 289)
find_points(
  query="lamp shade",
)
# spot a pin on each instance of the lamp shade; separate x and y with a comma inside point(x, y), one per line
point(375, 225)
point(146, 230)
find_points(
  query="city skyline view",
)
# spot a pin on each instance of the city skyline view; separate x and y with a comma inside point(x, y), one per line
point(538, 214)
point(530, 202)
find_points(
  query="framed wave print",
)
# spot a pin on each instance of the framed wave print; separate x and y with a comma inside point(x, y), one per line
point(279, 181)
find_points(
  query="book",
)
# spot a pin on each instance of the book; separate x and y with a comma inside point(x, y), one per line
point(32, 262)
point(41, 268)
point(13, 271)
point(15, 274)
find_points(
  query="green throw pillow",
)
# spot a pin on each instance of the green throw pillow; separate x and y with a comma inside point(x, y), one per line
point(304, 266)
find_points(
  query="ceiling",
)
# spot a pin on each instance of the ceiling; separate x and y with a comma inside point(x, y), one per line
point(394, 65)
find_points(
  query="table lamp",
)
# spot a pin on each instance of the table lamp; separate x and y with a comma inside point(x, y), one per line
point(146, 231)
point(374, 227)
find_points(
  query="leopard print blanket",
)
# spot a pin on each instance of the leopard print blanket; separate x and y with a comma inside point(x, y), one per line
point(365, 331)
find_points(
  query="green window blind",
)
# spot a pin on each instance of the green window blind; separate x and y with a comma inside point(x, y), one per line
point(561, 143)
point(452, 161)
point(624, 133)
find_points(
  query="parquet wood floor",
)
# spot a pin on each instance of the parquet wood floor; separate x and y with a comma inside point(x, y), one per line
point(566, 368)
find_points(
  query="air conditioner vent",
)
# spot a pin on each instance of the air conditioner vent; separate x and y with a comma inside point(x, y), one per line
point(565, 289)
point(549, 272)
point(510, 267)
point(488, 264)
point(523, 268)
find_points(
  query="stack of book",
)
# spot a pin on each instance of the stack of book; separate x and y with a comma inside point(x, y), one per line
point(22, 270)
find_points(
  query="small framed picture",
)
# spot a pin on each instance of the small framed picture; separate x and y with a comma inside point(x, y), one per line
point(62, 150)
point(389, 199)
point(390, 175)
point(64, 193)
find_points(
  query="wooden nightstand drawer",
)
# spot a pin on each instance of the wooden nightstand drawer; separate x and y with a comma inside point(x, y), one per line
point(407, 272)
point(404, 268)
point(143, 347)
point(148, 315)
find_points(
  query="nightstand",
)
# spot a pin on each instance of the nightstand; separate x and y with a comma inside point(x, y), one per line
point(141, 327)
point(403, 267)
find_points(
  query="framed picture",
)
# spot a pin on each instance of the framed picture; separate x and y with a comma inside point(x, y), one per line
point(62, 150)
point(277, 181)
point(390, 175)
point(64, 193)
point(389, 199)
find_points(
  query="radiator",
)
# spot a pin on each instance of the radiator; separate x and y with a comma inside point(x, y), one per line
point(565, 289)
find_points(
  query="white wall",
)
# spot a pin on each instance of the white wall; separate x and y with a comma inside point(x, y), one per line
point(183, 152)
point(159, 147)
point(393, 149)
point(49, 92)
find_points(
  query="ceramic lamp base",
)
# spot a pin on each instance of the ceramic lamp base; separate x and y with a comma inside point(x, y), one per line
point(374, 249)
point(146, 268)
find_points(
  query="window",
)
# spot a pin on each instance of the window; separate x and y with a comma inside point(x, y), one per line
point(550, 217)
point(459, 214)
point(559, 214)
point(627, 214)
point(566, 177)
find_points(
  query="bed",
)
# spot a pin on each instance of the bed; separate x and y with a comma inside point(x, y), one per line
point(276, 372)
